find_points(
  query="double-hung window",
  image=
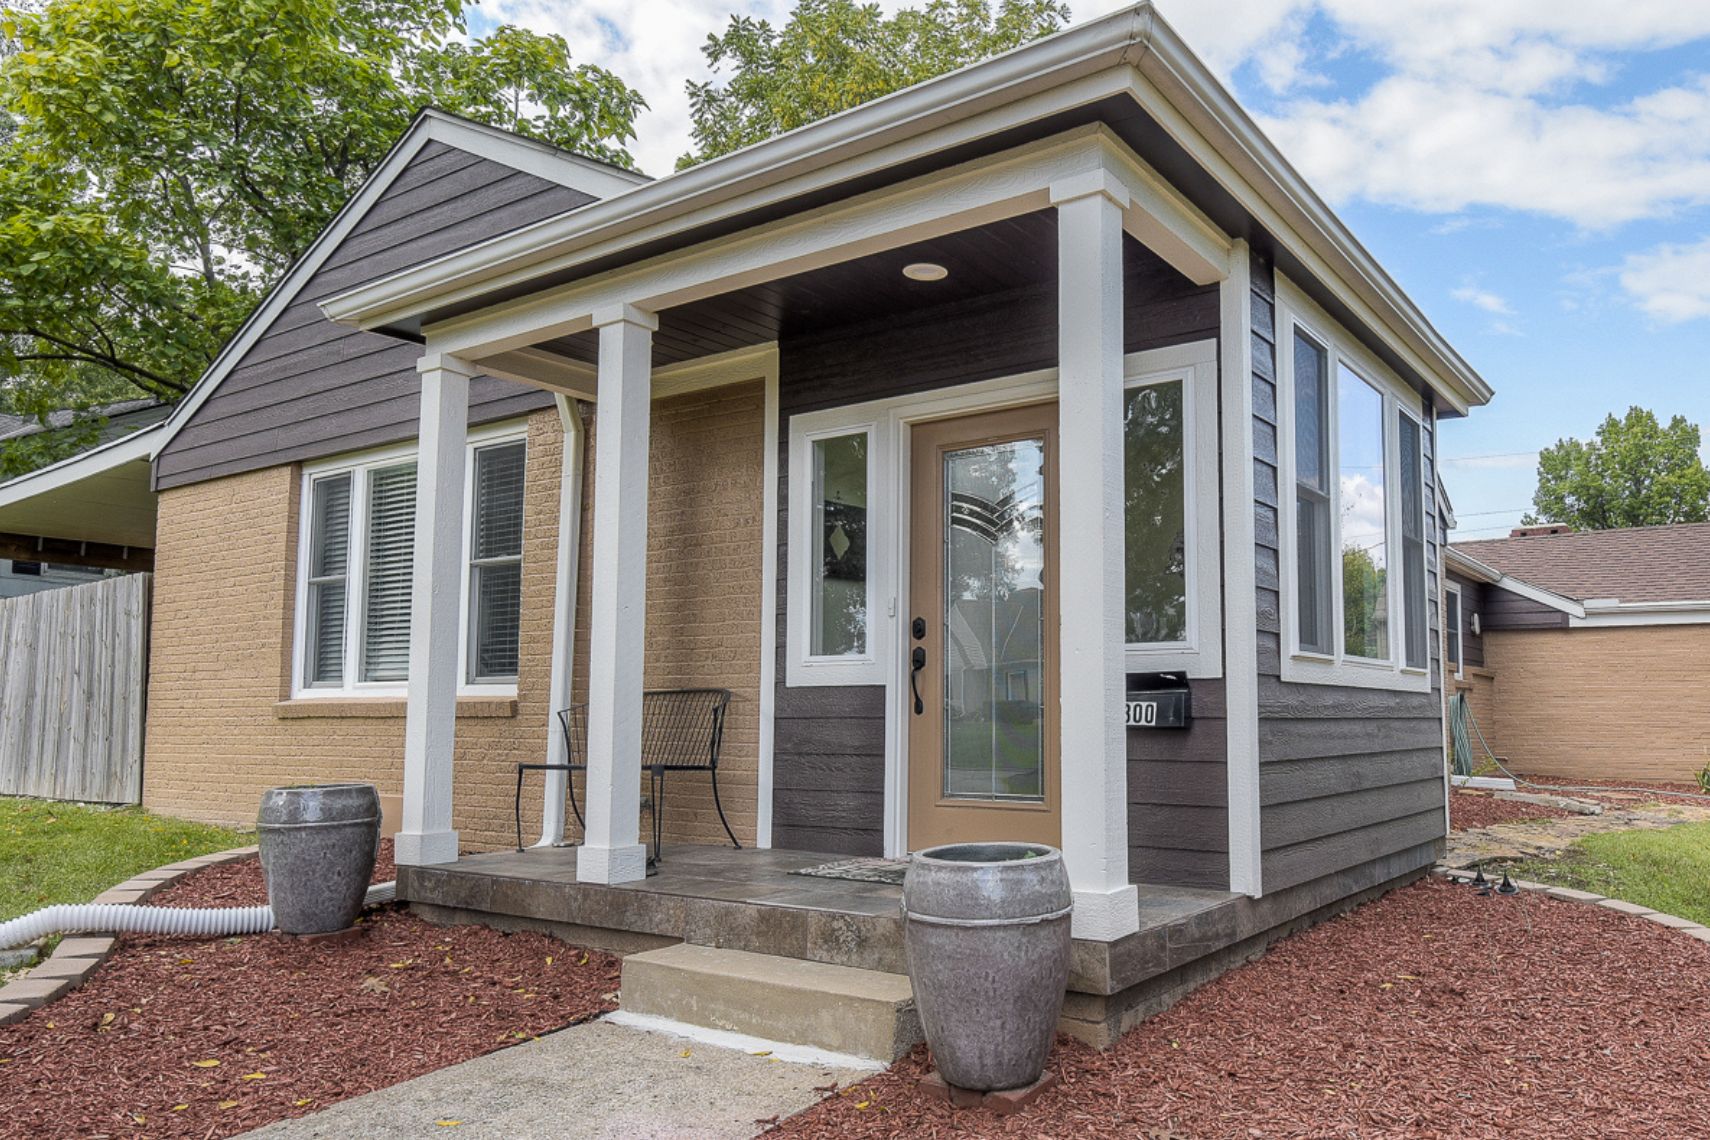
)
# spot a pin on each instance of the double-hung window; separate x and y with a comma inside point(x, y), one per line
point(357, 563)
point(1352, 443)
point(1452, 628)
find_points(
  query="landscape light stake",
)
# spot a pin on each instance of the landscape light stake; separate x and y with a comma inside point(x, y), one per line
point(1507, 887)
point(1479, 882)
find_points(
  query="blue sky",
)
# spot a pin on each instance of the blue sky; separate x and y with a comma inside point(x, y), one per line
point(1535, 173)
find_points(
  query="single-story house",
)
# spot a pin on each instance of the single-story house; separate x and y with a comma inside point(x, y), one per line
point(1585, 654)
point(1031, 453)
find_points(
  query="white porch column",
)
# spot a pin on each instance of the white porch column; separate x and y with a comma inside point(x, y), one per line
point(430, 719)
point(612, 851)
point(1090, 529)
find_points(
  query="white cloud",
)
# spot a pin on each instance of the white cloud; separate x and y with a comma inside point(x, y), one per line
point(1483, 299)
point(1482, 104)
point(1670, 282)
point(1475, 105)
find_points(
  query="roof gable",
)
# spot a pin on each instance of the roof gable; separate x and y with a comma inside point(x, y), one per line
point(291, 385)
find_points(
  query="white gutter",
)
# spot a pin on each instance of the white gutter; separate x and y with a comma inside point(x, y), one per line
point(1606, 612)
point(137, 445)
point(1137, 36)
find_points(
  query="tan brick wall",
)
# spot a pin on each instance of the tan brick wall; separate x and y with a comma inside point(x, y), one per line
point(222, 632)
point(1480, 687)
point(704, 560)
point(1623, 703)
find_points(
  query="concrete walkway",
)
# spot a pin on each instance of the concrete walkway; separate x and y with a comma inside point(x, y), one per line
point(590, 1082)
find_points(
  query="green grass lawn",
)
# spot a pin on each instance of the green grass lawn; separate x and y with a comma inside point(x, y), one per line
point(1667, 870)
point(54, 853)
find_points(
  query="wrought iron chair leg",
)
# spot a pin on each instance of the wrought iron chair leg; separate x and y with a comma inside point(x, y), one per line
point(519, 808)
point(717, 803)
point(570, 786)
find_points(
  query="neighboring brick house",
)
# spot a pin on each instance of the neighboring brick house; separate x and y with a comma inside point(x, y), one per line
point(1586, 654)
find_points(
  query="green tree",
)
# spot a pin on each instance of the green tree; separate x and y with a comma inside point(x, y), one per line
point(163, 161)
point(832, 55)
point(1365, 603)
point(1636, 472)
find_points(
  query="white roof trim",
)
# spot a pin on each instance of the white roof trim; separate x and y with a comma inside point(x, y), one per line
point(1211, 126)
point(432, 125)
point(140, 444)
point(1471, 567)
point(1604, 613)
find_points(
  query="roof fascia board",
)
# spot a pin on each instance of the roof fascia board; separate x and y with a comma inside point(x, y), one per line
point(140, 444)
point(430, 126)
point(1642, 613)
point(1543, 597)
point(981, 191)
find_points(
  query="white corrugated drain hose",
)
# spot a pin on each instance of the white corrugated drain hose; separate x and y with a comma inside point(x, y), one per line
point(199, 922)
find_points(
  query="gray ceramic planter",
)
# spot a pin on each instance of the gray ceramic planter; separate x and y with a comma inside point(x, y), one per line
point(987, 931)
point(318, 844)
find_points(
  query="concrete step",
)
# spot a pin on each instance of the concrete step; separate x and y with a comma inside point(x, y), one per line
point(861, 1013)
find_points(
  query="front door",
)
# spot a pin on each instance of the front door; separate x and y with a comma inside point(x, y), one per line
point(982, 631)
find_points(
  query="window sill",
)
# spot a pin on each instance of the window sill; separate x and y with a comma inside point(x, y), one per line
point(378, 708)
point(1311, 669)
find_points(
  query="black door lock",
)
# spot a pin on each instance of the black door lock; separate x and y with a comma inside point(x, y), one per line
point(918, 628)
point(918, 660)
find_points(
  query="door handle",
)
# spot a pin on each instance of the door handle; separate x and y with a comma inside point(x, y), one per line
point(917, 659)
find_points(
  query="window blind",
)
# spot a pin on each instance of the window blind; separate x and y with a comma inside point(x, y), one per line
point(495, 577)
point(387, 580)
point(329, 564)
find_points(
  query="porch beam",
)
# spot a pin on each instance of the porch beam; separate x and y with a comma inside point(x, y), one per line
point(973, 194)
point(1093, 760)
point(611, 851)
point(430, 717)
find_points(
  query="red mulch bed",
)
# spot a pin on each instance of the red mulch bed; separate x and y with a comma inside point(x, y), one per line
point(294, 1026)
point(1472, 809)
point(1431, 1013)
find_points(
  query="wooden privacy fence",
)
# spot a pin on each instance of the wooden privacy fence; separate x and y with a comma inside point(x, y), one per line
point(73, 667)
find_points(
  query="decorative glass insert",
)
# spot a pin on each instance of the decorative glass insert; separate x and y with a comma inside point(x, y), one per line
point(1312, 495)
point(1155, 513)
point(1365, 519)
point(994, 565)
point(839, 583)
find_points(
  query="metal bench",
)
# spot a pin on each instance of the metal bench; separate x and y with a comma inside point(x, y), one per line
point(681, 731)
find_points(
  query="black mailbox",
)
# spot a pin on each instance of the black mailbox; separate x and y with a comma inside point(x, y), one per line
point(1158, 700)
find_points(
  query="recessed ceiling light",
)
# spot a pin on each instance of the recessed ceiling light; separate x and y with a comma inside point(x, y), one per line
point(925, 271)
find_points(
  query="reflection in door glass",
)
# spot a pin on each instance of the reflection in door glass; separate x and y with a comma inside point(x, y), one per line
point(994, 563)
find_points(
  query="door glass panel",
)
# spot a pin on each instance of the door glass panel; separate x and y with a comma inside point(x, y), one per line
point(994, 563)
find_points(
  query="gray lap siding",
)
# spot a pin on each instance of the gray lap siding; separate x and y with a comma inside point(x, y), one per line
point(308, 388)
point(1347, 775)
point(829, 743)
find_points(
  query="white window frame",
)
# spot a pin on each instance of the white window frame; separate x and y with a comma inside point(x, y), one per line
point(1200, 653)
point(1297, 312)
point(887, 423)
point(1459, 630)
point(803, 667)
point(359, 465)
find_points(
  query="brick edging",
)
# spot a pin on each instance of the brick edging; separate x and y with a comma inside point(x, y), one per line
point(1567, 894)
point(77, 956)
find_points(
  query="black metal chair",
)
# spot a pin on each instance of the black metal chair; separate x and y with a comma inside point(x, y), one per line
point(681, 731)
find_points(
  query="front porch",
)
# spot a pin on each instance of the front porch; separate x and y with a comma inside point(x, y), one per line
point(753, 902)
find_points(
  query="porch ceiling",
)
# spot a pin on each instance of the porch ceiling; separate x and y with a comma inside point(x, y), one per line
point(1000, 257)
